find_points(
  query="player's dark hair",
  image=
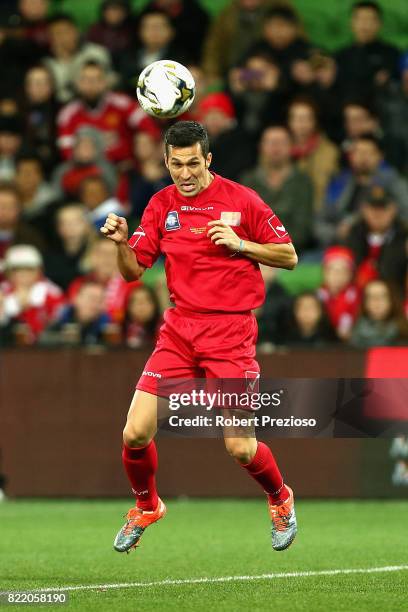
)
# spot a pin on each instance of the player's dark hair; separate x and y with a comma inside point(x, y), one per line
point(374, 6)
point(186, 134)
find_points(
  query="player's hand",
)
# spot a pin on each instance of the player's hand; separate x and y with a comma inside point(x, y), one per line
point(115, 228)
point(222, 234)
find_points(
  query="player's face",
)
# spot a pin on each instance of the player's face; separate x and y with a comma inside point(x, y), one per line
point(189, 169)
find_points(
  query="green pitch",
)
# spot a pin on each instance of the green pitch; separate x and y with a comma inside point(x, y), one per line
point(67, 543)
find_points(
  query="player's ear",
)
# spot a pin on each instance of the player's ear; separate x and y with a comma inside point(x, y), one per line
point(208, 160)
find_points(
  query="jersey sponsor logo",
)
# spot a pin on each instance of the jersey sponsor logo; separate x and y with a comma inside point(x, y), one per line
point(151, 374)
point(252, 381)
point(232, 218)
point(172, 221)
point(198, 230)
point(195, 208)
point(279, 229)
point(136, 236)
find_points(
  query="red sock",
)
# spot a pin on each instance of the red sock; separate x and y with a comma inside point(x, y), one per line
point(264, 470)
point(141, 466)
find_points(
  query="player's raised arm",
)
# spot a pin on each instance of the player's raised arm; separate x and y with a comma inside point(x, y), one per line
point(116, 229)
point(276, 255)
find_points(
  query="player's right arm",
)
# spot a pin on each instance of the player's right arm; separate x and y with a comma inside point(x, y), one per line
point(116, 229)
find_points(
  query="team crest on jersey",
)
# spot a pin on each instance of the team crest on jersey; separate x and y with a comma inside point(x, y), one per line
point(172, 221)
point(279, 229)
point(232, 218)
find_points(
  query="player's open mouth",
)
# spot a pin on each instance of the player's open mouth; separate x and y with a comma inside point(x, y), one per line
point(187, 186)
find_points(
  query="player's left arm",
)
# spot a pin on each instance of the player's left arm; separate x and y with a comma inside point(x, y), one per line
point(276, 255)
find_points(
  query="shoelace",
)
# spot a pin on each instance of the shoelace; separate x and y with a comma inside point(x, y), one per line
point(131, 516)
point(280, 517)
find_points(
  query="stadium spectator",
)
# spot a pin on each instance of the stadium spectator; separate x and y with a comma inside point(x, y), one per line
point(338, 293)
point(98, 199)
point(309, 326)
point(316, 79)
point(360, 118)
point(84, 322)
point(190, 22)
point(313, 152)
point(142, 317)
point(16, 56)
point(103, 269)
point(69, 54)
point(88, 160)
point(231, 35)
point(201, 90)
point(273, 315)
point(37, 197)
point(6, 325)
point(282, 38)
point(382, 321)
point(147, 176)
point(233, 149)
point(116, 115)
point(12, 229)
point(392, 100)
point(379, 240)
point(39, 111)
point(68, 257)
point(367, 168)
point(368, 62)
point(11, 138)
point(115, 28)
point(257, 93)
point(282, 185)
point(33, 23)
point(156, 41)
point(31, 300)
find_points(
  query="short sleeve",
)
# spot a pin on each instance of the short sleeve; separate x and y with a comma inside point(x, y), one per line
point(145, 241)
point(264, 226)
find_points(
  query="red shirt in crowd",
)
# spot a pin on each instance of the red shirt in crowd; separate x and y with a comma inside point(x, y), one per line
point(117, 116)
point(201, 276)
point(342, 308)
point(45, 303)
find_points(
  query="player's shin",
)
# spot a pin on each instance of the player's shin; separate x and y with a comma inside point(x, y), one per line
point(141, 466)
point(264, 469)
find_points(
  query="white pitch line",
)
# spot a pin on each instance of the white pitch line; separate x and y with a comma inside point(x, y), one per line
point(221, 579)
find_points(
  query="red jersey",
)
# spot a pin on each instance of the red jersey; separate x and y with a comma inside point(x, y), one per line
point(201, 276)
point(117, 117)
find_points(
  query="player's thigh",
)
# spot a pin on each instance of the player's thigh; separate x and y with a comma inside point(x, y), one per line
point(141, 423)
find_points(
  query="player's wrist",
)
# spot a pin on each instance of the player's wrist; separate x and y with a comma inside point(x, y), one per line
point(241, 247)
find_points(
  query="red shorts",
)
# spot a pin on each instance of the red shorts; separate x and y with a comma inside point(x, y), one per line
point(197, 345)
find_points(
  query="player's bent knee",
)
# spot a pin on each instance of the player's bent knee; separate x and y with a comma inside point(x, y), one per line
point(240, 450)
point(135, 437)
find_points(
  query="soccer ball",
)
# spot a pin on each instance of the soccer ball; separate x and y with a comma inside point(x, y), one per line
point(165, 89)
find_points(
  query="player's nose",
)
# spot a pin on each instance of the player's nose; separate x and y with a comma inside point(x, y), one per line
point(185, 173)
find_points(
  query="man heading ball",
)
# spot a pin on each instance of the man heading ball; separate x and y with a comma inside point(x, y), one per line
point(214, 233)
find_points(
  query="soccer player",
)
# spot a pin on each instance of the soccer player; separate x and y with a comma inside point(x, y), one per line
point(214, 233)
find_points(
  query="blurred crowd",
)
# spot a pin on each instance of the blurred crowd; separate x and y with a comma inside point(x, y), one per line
point(322, 137)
